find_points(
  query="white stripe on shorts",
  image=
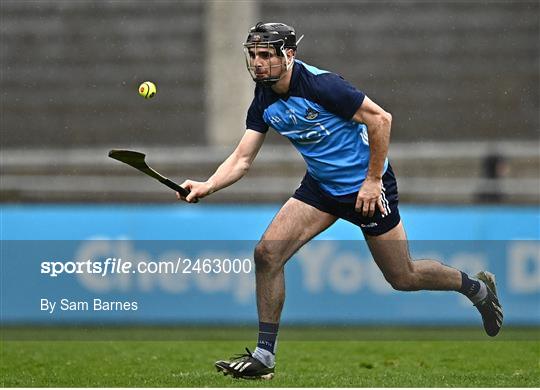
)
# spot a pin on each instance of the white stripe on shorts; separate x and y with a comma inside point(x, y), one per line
point(385, 203)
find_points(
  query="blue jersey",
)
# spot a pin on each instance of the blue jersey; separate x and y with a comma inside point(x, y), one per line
point(316, 117)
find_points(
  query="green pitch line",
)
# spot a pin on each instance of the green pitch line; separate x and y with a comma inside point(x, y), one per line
point(464, 360)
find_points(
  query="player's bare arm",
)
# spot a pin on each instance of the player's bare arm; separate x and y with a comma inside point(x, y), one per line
point(230, 171)
point(378, 122)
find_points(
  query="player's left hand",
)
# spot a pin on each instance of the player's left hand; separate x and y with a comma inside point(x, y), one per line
point(369, 197)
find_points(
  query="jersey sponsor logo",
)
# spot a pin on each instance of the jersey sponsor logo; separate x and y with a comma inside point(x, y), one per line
point(312, 135)
point(311, 114)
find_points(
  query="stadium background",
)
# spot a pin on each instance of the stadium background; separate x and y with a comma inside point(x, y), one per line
point(460, 78)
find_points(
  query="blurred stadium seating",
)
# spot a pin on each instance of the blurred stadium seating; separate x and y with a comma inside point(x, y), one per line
point(427, 173)
point(460, 78)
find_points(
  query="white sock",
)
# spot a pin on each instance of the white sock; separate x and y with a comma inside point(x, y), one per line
point(265, 357)
point(481, 294)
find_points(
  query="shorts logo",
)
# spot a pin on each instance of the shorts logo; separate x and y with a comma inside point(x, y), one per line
point(311, 114)
point(369, 225)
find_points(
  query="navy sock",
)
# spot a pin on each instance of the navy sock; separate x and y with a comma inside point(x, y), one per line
point(267, 336)
point(469, 287)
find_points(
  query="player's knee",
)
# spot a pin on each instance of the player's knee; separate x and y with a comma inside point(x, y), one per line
point(403, 283)
point(266, 257)
point(405, 280)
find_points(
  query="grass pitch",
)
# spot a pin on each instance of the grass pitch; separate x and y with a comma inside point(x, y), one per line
point(314, 357)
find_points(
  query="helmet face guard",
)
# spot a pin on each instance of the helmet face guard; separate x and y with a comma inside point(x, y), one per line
point(265, 43)
point(264, 72)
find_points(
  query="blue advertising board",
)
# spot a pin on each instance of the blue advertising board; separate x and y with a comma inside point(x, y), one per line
point(94, 263)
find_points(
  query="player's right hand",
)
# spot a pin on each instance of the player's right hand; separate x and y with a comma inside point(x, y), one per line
point(197, 190)
point(369, 197)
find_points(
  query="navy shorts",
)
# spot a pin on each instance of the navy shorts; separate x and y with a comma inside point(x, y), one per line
point(343, 206)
